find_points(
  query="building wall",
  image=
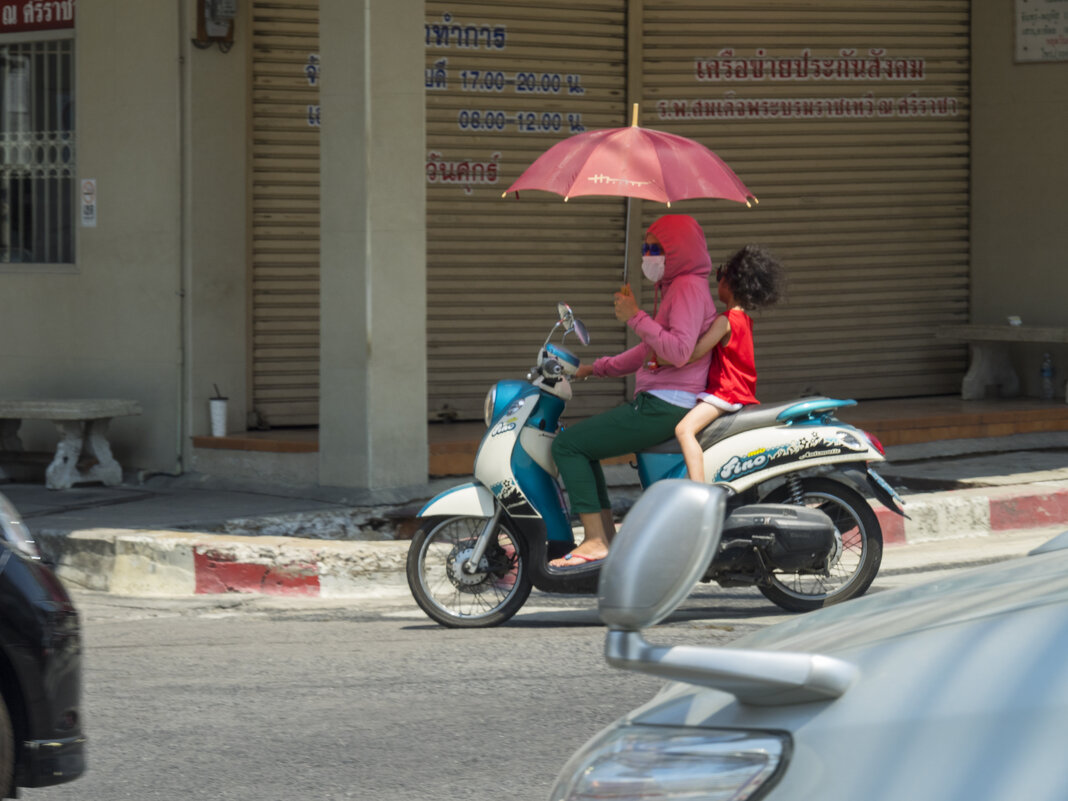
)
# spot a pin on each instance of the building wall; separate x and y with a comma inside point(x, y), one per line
point(154, 307)
point(215, 261)
point(1019, 174)
point(108, 327)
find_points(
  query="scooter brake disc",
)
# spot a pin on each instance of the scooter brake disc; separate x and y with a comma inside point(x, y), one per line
point(461, 579)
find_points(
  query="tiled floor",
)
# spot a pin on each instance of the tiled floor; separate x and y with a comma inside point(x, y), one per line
point(906, 421)
point(899, 421)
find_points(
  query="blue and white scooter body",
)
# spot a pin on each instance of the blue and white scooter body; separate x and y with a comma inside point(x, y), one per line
point(762, 443)
point(515, 476)
point(514, 464)
point(468, 500)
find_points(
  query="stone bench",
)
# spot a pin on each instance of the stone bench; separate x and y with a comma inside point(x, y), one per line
point(83, 454)
point(990, 366)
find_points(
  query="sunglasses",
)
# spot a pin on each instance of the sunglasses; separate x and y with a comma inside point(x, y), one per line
point(652, 250)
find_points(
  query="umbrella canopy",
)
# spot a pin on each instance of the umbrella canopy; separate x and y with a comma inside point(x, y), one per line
point(633, 162)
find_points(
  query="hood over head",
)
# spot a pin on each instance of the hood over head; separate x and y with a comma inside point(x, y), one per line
point(684, 246)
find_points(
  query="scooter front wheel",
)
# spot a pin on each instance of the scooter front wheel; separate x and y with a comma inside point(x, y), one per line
point(452, 591)
point(858, 552)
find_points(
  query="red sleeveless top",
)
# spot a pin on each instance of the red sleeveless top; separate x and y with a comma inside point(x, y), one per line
point(732, 375)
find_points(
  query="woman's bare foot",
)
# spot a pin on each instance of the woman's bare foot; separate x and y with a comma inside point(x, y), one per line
point(594, 546)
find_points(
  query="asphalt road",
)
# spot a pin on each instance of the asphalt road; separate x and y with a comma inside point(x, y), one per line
point(244, 697)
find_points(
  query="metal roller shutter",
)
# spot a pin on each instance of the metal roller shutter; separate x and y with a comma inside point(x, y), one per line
point(850, 123)
point(506, 81)
point(284, 198)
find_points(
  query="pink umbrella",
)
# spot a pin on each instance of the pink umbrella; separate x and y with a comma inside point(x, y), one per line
point(633, 162)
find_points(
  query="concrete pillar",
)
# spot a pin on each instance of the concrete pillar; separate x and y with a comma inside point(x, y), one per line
point(372, 424)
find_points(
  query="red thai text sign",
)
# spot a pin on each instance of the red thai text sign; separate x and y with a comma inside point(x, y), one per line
point(17, 16)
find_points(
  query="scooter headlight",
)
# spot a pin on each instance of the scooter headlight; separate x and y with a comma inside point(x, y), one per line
point(487, 407)
point(683, 763)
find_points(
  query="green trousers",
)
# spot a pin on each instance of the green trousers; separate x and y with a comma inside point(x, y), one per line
point(578, 449)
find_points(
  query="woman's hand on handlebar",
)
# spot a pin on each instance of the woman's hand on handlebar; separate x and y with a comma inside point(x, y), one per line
point(584, 371)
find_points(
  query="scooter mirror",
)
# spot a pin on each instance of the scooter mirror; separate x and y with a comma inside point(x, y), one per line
point(664, 546)
point(580, 331)
point(564, 313)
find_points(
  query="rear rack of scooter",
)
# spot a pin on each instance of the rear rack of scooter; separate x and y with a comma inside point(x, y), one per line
point(812, 410)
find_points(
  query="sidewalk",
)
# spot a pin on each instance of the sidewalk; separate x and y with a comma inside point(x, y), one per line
point(191, 534)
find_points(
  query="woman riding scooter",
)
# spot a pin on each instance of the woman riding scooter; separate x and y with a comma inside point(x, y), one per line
point(675, 258)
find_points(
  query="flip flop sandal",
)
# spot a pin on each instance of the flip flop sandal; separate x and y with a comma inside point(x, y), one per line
point(582, 560)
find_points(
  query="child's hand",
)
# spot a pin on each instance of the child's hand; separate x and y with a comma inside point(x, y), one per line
point(625, 305)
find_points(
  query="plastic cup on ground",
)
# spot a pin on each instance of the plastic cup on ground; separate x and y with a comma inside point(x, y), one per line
point(218, 416)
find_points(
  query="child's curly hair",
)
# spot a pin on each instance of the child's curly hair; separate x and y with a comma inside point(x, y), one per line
point(755, 277)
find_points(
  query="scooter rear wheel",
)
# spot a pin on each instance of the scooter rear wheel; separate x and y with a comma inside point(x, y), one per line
point(858, 556)
point(451, 595)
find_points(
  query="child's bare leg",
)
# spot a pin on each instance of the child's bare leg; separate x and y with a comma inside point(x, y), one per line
point(686, 432)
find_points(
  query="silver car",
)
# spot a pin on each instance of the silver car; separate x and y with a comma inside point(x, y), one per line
point(954, 689)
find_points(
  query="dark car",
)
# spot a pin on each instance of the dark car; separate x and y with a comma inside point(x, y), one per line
point(41, 741)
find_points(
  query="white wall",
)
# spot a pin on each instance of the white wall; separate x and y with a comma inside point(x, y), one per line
point(217, 208)
point(112, 325)
point(109, 327)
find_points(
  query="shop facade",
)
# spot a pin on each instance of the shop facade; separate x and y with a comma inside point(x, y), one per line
point(309, 216)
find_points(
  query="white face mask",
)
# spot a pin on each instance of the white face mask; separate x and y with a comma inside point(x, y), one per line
point(653, 267)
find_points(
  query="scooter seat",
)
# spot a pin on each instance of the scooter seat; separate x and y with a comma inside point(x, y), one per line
point(758, 415)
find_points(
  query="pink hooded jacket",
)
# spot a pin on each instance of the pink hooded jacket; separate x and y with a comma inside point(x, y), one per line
point(685, 312)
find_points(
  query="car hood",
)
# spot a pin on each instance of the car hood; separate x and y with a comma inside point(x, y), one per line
point(854, 630)
point(960, 692)
point(970, 595)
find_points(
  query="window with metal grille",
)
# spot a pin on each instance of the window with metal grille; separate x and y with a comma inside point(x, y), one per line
point(37, 157)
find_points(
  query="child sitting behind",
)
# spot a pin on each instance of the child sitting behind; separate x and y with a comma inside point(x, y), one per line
point(751, 279)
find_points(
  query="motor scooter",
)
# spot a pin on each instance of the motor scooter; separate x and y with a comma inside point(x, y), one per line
point(797, 528)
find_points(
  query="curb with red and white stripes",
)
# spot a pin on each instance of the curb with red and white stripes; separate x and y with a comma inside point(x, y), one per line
point(976, 512)
point(144, 563)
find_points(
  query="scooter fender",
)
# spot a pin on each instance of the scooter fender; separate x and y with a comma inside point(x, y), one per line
point(468, 500)
point(865, 479)
point(753, 457)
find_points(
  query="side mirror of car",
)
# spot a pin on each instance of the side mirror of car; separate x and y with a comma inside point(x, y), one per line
point(664, 546)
